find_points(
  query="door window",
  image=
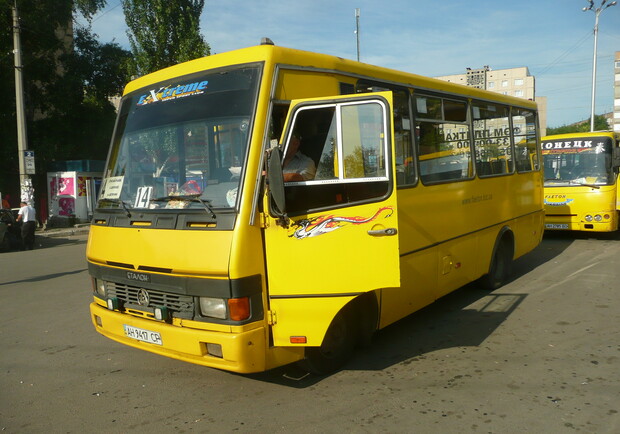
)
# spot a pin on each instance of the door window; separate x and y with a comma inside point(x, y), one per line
point(336, 154)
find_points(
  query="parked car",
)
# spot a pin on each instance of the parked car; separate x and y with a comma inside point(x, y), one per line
point(10, 235)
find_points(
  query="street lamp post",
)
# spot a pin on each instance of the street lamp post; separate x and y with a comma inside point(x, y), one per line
point(597, 11)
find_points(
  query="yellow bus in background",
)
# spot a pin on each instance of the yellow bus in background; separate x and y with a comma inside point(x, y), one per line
point(581, 181)
point(199, 251)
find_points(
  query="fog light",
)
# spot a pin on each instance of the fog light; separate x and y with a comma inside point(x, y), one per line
point(215, 350)
point(161, 313)
point(112, 303)
point(598, 218)
point(588, 218)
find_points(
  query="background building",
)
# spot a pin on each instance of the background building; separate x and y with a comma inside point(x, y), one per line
point(514, 82)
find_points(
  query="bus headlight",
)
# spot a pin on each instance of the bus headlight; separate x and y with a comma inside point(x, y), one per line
point(213, 307)
point(588, 218)
point(99, 286)
point(598, 218)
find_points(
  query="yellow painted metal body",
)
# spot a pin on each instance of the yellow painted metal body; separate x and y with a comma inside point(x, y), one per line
point(446, 234)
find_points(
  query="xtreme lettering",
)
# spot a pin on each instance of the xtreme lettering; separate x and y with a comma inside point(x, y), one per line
point(173, 91)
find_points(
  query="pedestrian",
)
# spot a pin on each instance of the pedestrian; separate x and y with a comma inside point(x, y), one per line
point(26, 215)
point(6, 202)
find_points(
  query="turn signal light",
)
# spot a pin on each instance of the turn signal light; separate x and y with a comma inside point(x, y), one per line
point(239, 308)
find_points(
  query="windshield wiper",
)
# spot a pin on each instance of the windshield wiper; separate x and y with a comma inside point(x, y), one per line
point(192, 198)
point(122, 203)
point(584, 184)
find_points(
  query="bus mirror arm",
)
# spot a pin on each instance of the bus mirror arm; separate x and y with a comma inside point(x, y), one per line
point(275, 180)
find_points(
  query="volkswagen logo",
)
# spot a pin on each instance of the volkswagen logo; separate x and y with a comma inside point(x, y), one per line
point(143, 298)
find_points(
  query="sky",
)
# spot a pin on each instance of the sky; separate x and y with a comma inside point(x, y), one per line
point(553, 38)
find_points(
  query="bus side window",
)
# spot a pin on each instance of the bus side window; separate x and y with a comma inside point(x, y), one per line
point(526, 149)
point(405, 167)
point(492, 139)
point(442, 139)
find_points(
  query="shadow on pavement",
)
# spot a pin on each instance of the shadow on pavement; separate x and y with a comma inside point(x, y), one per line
point(464, 318)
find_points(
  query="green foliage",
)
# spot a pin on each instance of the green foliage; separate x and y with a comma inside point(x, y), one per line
point(68, 77)
point(163, 33)
point(600, 124)
point(113, 66)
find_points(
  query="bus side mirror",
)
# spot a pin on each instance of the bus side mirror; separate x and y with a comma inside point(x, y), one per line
point(275, 179)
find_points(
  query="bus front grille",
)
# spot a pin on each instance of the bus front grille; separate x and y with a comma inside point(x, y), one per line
point(179, 305)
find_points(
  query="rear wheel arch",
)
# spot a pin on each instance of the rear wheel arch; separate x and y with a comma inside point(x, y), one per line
point(501, 260)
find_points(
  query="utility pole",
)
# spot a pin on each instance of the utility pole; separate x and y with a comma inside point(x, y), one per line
point(357, 31)
point(597, 11)
point(22, 139)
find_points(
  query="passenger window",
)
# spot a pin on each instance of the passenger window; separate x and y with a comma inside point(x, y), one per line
point(492, 139)
point(443, 140)
point(526, 150)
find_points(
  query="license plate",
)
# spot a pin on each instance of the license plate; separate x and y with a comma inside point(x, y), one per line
point(142, 335)
point(556, 226)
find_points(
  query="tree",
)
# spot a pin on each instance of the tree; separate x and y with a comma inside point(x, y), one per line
point(600, 124)
point(67, 80)
point(164, 32)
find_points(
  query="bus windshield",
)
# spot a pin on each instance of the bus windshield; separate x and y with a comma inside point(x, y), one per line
point(182, 143)
point(578, 161)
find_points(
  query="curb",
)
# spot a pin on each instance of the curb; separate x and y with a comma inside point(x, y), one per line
point(64, 232)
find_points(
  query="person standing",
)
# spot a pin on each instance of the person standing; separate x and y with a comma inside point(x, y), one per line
point(26, 215)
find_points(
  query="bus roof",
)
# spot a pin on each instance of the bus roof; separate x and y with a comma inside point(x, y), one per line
point(298, 58)
point(584, 134)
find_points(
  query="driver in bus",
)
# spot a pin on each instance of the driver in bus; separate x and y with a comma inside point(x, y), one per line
point(296, 165)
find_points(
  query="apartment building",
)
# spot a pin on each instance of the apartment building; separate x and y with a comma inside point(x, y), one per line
point(513, 81)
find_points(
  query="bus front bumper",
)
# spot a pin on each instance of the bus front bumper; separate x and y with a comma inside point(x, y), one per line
point(242, 352)
point(573, 224)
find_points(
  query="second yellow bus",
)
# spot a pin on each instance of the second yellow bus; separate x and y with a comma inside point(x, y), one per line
point(581, 181)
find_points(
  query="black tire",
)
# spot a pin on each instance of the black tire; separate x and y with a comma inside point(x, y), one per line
point(500, 269)
point(336, 349)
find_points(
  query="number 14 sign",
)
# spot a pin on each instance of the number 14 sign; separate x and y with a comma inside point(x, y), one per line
point(143, 198)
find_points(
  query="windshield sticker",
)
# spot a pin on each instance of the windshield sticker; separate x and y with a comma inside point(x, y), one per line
point(171, 92)
point(112, 187)
point(316, 226)
point(557, 200)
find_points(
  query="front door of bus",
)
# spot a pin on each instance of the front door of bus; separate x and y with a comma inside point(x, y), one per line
point(333, 233)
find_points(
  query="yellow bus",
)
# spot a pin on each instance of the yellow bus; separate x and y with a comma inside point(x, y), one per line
point(581, 181)
point(407, 188)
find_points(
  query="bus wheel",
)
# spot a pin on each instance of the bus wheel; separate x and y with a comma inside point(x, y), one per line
point(336, 349)
point(500, 267)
